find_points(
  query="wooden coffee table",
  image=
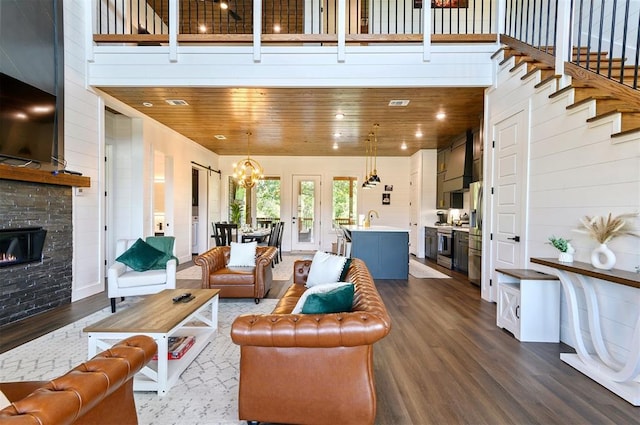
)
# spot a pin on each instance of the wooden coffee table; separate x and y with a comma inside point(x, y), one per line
point(160, 318)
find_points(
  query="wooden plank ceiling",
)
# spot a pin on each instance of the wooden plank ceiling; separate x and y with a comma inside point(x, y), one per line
point(302, 121)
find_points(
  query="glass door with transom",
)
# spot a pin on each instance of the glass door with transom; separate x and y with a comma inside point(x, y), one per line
point(305, 221)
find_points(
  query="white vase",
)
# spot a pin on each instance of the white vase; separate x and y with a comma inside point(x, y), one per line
point(565, 257)
point(603, 258)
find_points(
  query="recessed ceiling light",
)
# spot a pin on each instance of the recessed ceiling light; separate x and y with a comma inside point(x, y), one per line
point(339, 116)
point(337, 134)
point(177, 102)
point(202, 28)
point(276, 28)
point(403, 146)
point(418, 134)
point(42, 109)
point(399, 102)
point(220, 137)
point(147, 104)
point(335, 145)
point(441, 115)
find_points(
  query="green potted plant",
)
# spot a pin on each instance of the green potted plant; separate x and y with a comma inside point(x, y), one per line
point(236, 211)
point(565, 248)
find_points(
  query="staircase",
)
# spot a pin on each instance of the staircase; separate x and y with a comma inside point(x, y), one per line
point(610, 97)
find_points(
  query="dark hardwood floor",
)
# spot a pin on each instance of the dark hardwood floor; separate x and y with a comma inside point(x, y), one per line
point(444, 362)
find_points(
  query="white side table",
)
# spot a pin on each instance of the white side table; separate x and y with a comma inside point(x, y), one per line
point(529, 305)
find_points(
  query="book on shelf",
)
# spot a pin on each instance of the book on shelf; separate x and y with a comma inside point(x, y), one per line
point(178, 346)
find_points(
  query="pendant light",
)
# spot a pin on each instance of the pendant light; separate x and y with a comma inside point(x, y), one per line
point(373, 178)
point(365, 182)
point(248, 171)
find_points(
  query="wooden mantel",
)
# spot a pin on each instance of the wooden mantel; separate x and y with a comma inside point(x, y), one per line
point(41, 176)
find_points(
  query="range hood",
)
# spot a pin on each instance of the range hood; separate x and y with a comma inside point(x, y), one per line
point(460, 165)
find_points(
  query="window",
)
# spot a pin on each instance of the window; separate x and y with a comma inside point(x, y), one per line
point(236, 202)
point(344, 200)
point(267, 201)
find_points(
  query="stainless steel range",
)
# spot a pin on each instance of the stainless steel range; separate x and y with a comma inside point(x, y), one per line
point(445, 246)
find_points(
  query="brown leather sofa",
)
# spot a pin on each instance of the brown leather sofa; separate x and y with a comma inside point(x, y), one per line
point(237, 282)
point(312, 368)
point(99, 391)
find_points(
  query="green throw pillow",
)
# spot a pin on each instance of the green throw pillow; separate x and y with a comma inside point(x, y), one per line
point(336, 301)
point(140, 256)
point(164, 244)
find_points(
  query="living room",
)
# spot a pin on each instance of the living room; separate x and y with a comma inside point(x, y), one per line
point(562, 187)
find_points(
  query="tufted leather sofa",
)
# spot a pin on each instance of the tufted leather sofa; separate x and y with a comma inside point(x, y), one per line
point(237, 282)
point(99, 391)
point(312, 368)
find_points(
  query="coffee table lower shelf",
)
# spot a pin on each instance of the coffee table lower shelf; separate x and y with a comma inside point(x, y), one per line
point(161, 374)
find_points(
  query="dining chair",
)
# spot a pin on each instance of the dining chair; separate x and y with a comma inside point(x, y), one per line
point(279, 242)
point(273, 238)
point(228, 233)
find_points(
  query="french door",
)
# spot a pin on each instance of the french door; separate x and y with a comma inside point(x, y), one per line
point(305, 220)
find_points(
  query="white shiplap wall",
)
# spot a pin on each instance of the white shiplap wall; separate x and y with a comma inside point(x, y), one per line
point(82, 150)
point(577, 169)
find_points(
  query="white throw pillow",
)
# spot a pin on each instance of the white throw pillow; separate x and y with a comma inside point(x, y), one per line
point(4, 401)
point(316, 289)
point(325, 268)
point(243, 254)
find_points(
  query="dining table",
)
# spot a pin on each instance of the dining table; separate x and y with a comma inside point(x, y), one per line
point(258, 235)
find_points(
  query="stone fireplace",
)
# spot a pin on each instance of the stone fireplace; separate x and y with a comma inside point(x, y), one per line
point(34, 287)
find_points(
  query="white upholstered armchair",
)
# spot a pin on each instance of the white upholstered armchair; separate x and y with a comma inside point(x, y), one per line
point(122, 280)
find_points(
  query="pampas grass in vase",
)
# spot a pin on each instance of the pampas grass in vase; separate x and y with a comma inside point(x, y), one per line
point(604, 230)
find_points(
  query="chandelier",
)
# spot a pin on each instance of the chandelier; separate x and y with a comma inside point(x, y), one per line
point(248, 171)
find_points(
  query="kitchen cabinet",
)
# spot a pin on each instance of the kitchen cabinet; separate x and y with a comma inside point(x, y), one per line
point(461, 250)
point(454, 171)
point(478, 150)
point(443, 158)
point(431, 243)
point(529, 305)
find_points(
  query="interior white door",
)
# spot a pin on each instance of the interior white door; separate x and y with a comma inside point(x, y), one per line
point(414, 212)
point(305, 220)
point(213, 205)
point(509, 200)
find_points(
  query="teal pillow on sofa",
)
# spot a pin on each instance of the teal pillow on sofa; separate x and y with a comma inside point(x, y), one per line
point(335, 301)
point(141, 256)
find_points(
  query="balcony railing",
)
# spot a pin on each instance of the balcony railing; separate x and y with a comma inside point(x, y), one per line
point(292, 21)
point(601, 36)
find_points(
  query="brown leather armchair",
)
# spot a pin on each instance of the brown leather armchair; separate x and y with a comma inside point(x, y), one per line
point(311, 368)
point(99, 391)
point(237, 282)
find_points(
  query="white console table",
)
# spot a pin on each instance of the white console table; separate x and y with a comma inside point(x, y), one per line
point(622, 379)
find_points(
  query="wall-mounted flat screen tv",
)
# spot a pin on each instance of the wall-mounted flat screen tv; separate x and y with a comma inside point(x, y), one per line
point(27, 122)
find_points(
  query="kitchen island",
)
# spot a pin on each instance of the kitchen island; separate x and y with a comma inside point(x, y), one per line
point(384, 249)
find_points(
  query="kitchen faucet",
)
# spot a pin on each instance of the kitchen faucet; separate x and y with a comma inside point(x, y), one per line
point(367, 221)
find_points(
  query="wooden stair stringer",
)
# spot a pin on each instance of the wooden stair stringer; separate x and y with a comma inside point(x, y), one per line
point(604, 98)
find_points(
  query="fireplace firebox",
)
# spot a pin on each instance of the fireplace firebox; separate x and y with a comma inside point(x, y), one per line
point(21, 245)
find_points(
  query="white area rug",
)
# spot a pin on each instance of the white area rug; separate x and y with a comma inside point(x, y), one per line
point(205, 394)
point(419, 270)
